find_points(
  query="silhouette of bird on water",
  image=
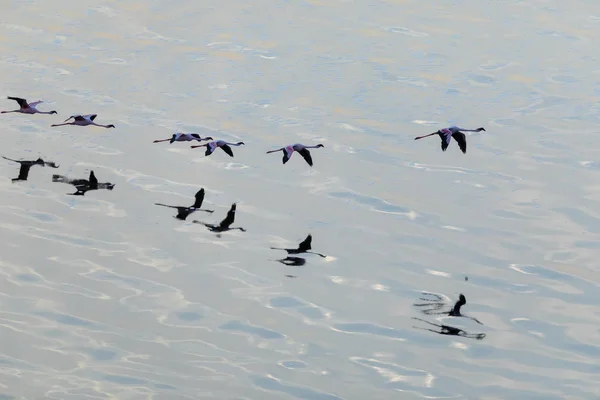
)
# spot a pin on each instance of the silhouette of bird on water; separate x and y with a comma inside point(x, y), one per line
point(293, 261)
point(83, 185)
point(437, 303)
point(183, 212)
point(453, 132)
point(225, 225)
point(449, 330)
point(303, 247)
point(26, 166)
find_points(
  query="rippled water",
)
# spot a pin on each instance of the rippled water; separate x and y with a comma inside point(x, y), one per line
point(108, 296)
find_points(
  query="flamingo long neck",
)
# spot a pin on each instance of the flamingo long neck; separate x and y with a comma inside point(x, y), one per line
point(43, 112)
point(466, 130)
point(311, 147)
point(103, 126)
point(232, 144)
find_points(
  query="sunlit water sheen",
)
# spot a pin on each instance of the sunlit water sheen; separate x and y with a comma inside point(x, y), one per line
point(108, 296)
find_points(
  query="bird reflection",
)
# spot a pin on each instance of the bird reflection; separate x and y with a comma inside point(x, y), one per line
point(183, 212)
point(26, 166)
point(303, 247)
point(293, 261)
point(83, 185)
point(225, 224)
point(449, 330)
point(435, 304)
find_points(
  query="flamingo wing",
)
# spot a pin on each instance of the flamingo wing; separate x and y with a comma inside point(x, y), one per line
point(446, 137)
point(91, 117)
point(229, 219)
point(305, 244)
point(306, 155)
point(24, 171)
point(22, 102)
point(461, 139)
point(76, 118)
point(199, 198)
point(35, 103)
point(227, 149)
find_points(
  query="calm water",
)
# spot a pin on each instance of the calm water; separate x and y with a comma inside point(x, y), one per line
point(108, 296)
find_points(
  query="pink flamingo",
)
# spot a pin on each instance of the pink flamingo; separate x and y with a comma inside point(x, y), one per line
point(300, 148)
point(212, 146)
point(446, 134)
point(183, 137)
point(83, 120)
point(27, 108)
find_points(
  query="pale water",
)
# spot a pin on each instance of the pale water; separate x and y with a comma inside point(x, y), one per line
point(108, 296)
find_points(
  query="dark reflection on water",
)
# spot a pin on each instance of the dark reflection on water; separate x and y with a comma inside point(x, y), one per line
point(449, 330)
point(293, 261)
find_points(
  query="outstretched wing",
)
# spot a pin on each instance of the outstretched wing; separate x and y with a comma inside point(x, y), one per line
point(22, 102)
point(306, 155)
point(93, 181)
point(227, 150)
point(166, 205)
point(461, 139)
point(306, 244)
point(75, 117)
point(51, 164)
point(199, 198)
point(230, 218)
point(35, 103)
point(24, 171)
point(91, 117)
point(446, 137)
point(10, 159)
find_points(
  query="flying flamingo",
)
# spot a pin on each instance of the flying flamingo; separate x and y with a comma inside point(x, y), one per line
point(26, 166)
point(27, 108)
point(446, 134)
point(183, 212)
point(83, 120)
point(225, 224)
point(300, 148)
point(212, 146)
point(183, 137)
point(303, 247)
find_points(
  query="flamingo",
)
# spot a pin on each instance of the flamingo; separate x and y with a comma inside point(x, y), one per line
point(212, 146)
point(225, 224)
point(183, 212)
point(27, 108)
point(446, 134)
point(183, 137)
point(83, 120)
point(300, 148)
point(303, 247)
point(83, 185)
point(26, 166)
